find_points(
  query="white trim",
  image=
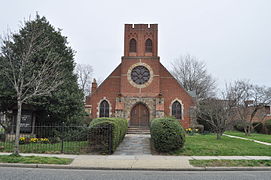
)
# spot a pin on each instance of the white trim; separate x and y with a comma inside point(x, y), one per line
point(170, 107)
point(98, 107)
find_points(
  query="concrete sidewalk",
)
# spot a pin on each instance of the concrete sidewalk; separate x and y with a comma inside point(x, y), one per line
point(247, 139)
point(136, 162)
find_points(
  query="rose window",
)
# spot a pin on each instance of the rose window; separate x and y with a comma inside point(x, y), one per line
point(140, 75)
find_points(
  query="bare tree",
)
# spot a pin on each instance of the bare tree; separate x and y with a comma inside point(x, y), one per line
point(84, 73)
point(30, 77)
point(249, 101)
point(217, 113)
point(193, 76)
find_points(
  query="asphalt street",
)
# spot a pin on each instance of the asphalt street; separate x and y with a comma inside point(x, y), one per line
point(8, 173)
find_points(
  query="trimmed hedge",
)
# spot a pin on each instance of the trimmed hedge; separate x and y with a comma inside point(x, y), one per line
point(107, 133)
point(167, 134)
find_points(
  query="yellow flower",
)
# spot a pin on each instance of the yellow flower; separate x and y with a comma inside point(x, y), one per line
point(34, 140)
point(22, 138)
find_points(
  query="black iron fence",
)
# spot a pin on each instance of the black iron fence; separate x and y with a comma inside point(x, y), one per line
point(58, 138)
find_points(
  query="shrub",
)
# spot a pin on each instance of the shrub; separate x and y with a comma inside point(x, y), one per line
point(54, 140)
point(107, 133)
point(167, 134)
point(240, 126)
point(197, 128)
point(72, 133)
point(267, 125)
point(207, 127)
point(258, 127)
point(2, 137)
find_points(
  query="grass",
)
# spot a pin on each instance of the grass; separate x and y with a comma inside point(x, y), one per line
point(255, 136)
point(33, 159)
point(207, 145)
point(230, 163)
point(70, 147)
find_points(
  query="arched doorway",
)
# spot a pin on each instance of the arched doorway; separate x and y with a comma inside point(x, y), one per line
point(139, 116)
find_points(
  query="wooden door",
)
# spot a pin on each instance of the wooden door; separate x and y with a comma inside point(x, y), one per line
point(139, 116)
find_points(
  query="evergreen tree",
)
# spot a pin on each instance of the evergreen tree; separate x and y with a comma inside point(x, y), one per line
point(37, 68)
point(67, 103)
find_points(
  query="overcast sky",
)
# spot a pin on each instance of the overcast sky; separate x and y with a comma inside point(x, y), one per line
point(233, 37)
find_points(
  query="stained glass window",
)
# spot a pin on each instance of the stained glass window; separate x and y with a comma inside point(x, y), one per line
point(177, 110)
point(104, 109)
point(140, 75)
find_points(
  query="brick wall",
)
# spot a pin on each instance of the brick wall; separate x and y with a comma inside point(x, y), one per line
point(162, 84)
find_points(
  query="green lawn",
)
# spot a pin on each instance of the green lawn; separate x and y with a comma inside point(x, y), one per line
point(72, 147)
point(207, 145)
point(33, 159)
point(230, 163)
point(255, 136)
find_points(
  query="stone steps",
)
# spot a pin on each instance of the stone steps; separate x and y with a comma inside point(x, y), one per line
point(138, 130)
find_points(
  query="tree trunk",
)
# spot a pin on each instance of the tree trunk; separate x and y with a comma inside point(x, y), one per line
point(18, 124)
point(249, 130)
point(33, 124)
point(246, 130)
point(218, 135)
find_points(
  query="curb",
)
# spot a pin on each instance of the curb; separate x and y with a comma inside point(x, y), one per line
point(48, 166)
point(237, 168)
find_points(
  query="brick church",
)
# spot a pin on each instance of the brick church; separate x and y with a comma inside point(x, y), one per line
point(140, 88)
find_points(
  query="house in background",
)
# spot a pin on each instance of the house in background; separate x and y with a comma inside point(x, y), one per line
point(263, 114)
point(140, 88)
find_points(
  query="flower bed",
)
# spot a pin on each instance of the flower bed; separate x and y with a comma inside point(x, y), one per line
point(191, 131)
point(27, 140)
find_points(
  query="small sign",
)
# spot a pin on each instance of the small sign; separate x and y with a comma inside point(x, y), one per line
point(26, 122)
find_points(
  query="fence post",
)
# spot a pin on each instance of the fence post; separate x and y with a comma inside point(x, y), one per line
point(110, 143)
point(62, 137)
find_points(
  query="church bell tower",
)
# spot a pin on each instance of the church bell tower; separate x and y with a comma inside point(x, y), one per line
point(140, 63)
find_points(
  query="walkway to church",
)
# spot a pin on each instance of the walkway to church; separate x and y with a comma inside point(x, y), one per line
point(134, 144)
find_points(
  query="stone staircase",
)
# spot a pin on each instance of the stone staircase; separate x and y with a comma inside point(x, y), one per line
point(138, 130)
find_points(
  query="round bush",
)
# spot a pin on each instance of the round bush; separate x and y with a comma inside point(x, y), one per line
point(199, 127)
point(240, 126)
point(167, 134)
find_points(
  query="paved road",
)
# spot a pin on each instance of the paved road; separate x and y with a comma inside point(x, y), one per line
point(60, 174)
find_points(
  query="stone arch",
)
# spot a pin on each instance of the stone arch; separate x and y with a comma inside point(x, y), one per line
point(129, 103)
point(139, 115)
point(140, 102)
point(98, 106)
